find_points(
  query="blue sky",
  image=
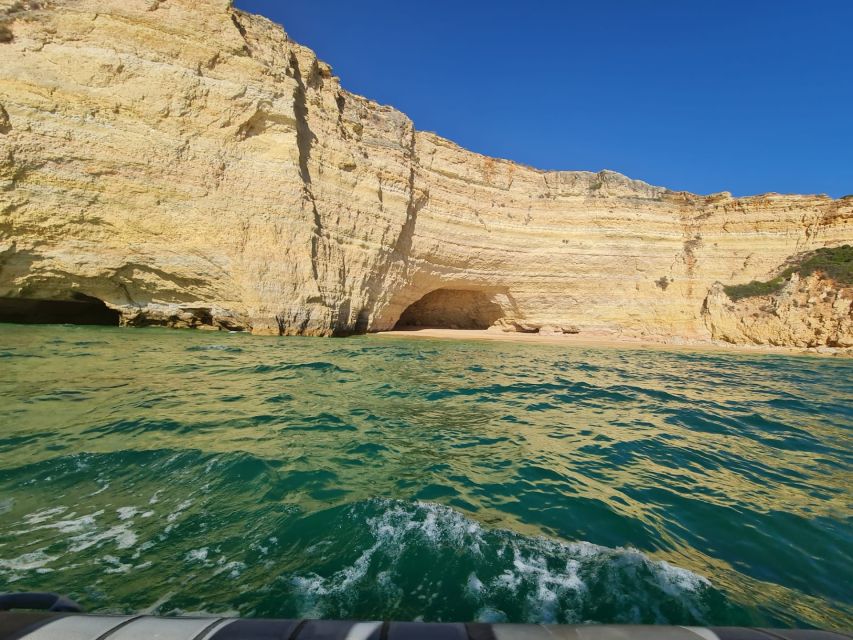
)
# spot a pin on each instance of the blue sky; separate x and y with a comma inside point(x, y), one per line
point(747, 96)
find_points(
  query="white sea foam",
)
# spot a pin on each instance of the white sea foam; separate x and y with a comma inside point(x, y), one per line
point(197, 555)
point(540, 579)
point(79, 533)
point(38, 517)
point(27, 561)
point(77, 524)
point(474, 586)
point(126, 513)
point(145, 546)
point(186, 504)
point(395, 548)
point(114, 565)
point(677, 580)
point(122, 535)
point(39, 521)
point(14, 569)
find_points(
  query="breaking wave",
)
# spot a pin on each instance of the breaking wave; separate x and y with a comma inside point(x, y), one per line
point(459, 569)
point(376, 558)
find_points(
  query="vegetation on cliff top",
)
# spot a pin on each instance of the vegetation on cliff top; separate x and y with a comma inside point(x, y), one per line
point(835, 264)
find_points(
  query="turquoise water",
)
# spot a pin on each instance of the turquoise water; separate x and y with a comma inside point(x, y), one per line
point(373, 477)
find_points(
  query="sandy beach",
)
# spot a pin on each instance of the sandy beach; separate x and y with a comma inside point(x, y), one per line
point(600, 340)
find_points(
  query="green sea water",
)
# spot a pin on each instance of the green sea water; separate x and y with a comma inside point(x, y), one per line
point(375, 478)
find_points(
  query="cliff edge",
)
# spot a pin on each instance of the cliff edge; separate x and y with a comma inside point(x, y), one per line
point(187, 164)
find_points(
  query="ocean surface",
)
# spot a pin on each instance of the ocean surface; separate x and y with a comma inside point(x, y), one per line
point(375, 477)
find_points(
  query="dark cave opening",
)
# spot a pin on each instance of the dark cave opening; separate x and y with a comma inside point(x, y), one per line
point(452, 309)
point(81, 309)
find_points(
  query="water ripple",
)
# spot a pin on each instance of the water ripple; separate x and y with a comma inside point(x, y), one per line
point(376, 478)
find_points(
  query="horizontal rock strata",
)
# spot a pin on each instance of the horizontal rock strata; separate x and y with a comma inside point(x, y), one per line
point(189, 165)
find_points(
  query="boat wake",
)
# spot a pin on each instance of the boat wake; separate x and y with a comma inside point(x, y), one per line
point(458, 569)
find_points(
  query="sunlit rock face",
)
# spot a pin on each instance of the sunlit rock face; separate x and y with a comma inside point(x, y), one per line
point(808, 312)
point(189, 165)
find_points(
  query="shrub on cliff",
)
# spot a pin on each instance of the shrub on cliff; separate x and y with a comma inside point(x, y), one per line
point(834, 264)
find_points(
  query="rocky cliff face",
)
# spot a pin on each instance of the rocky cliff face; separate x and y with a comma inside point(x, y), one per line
point(189, 165)
point(809, 312)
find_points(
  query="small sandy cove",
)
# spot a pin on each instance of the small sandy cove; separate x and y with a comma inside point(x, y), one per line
point(597, 340)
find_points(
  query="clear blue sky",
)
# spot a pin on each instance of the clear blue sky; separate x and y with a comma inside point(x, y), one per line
point(747, 96)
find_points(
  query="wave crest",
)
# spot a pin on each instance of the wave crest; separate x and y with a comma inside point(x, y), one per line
point(424, 558)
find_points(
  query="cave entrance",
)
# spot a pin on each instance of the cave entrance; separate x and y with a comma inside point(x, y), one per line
point(80, 309)
point(452, 309)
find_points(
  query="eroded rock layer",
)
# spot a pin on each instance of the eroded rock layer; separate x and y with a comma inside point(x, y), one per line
point(809, 312)
point(189, 165)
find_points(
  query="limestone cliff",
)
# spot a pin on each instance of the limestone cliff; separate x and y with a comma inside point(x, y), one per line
point(811, 312)
point(188, 164)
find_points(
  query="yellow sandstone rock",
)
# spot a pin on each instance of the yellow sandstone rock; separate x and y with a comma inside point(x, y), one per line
point(190, 165)
point(808, 312)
